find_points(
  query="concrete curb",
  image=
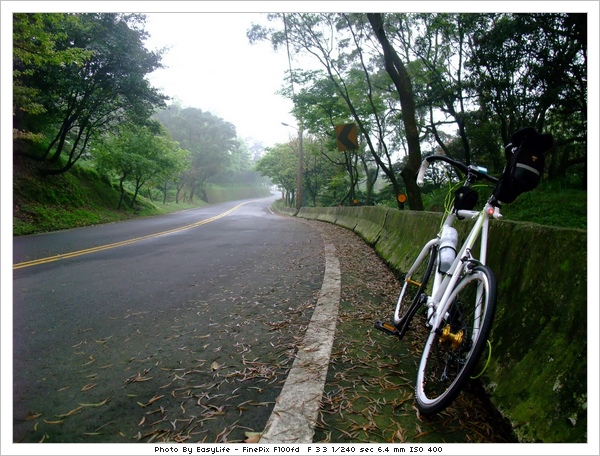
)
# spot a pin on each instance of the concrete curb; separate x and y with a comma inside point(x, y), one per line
point(296, 410)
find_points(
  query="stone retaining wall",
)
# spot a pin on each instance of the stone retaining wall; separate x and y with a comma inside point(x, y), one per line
point(538, 374)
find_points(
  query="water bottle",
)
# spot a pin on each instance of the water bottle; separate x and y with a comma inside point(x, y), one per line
point(448, 243)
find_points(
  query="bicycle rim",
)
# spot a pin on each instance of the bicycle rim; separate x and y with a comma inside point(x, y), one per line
point(452, 351)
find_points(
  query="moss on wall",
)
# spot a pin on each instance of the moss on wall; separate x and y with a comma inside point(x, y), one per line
point(538, 374)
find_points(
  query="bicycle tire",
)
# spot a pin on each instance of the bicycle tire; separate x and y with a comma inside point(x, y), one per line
point(447, 362)
point(414, 286)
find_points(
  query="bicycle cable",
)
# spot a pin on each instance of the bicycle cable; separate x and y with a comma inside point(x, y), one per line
point(487, 362)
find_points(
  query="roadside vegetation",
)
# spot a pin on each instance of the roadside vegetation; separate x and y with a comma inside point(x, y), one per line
point(420, 84)
point(80, 198)
point(555, 203)
point(94, 142)
point(85, 197)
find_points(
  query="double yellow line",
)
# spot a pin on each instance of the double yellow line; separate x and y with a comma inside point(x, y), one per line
point(65, 256)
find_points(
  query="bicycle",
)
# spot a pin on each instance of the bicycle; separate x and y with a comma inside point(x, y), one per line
point(461, 302)
point(459, 306)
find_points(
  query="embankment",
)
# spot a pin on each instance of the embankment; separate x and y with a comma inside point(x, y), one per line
point(538, 374)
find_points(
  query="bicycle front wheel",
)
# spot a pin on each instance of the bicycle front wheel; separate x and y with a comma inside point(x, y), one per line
point(453, 349)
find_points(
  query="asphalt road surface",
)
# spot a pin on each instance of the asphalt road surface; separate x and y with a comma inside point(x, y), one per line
point(170, 328)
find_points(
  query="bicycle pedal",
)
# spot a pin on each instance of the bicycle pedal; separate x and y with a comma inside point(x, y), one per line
point(387, 328)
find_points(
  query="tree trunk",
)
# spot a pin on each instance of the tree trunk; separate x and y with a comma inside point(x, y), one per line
point(122, 190)
point(399, 76)
point(371, 176)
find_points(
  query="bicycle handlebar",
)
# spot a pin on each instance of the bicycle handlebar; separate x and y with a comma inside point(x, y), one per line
point(471, 170)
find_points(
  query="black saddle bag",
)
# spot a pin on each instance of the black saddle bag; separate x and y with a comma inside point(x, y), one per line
point(525, 159)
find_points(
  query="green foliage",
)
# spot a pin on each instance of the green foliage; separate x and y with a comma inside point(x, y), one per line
point(138, 154)
point(280, 164)
point(211, 141)
point(37, 44)
point(476, 79)
point(549, 204)
point(219, 194)
point(82, 197)
point(61, 202)
point(81, 75)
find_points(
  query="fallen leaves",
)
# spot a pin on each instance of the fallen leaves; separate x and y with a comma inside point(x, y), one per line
point(215, 376)
point(91, 360)
point(252, 437)
point(103, 341)
point(138, 377)
point(33, 416)
point(151, 401)
point(71, 412)
point(53, 422)
point(369, 390)
point(88, 387)
point(97, 404)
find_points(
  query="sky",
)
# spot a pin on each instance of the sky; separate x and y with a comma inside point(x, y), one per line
point(211, 66)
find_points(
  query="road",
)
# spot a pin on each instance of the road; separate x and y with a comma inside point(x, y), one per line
point(184, 328)
point(180, 335)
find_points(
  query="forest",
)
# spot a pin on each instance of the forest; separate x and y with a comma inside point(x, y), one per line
point(413, 84)
point(81, 97)
point(418, 84)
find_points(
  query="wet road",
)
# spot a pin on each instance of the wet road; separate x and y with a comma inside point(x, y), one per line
point(184, 335)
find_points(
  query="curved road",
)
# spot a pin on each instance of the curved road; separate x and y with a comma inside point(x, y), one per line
point(146, 331)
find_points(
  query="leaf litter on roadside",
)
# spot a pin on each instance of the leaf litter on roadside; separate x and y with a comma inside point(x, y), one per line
point(369, 389)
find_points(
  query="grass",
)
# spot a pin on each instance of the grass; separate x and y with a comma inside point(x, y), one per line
point(552, 203)
point(80, 197)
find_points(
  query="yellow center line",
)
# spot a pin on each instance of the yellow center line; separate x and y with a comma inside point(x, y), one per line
point(64, 256)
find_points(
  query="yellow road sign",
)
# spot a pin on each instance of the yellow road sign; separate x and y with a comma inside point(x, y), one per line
point(346, 135)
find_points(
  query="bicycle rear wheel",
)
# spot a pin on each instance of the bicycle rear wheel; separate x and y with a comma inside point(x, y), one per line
point(453, 349)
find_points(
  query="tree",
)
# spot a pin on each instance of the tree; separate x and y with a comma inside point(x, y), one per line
point(279, 163)
point(336, 41)
point(136, 155)
point(85, 97)
point(35, 38)
point(211, 141)
point(531, 70)
point(321, 109)
point(459, 84)
point(397, 71)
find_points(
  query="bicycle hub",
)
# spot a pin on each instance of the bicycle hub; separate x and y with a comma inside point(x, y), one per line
point(454, 338)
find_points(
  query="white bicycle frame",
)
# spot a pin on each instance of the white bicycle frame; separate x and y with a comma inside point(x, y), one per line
point(444, 283)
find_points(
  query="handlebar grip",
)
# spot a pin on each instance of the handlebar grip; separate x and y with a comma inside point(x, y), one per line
point(421, 174)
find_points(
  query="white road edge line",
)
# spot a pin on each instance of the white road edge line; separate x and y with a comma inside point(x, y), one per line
point(296, 409)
